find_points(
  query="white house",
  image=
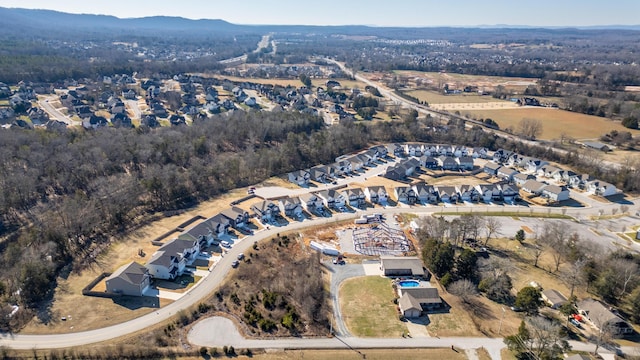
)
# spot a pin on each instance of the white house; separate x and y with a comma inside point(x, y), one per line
point(509, 192)
point(171, 258)
point(555, 193)
point(311, 202)
point(376, 194)
point(468, 193)
point(291, 207)
point(447, 194)
point(405, 194)
point(332, 199)
point(489, 192)
point(521, 178)
point(266, 211)
point(355, 197)
point(413, 149)
point(601, 188)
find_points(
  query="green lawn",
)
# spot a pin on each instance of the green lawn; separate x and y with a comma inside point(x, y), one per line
point(366, 304)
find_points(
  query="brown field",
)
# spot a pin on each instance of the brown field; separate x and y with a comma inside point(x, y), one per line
point(457, 322)
point(554, 122)
point(453, 180)
point(459, 81)
point(433, 97)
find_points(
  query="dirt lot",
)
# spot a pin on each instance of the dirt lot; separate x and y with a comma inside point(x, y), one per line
point(459, 81)
point(554, 122)
point(435, 98)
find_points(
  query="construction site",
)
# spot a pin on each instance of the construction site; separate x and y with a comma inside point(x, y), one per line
point(381, 239)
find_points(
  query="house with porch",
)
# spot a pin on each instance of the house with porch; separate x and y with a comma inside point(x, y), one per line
point(601, 188)
point(509, 192)
point(311, 202)
point(405, 194)
point(376, 194)
point(447, 194)
point(520, 178)
point(415, 301)
point(172, 258)
point(468, 193)
point(238, 218)
point(299, 177)
point(132, 279)
point(332, 199)
point(355, 197)
point(489, 192)
point(426, 194)
point(479, 153)
point(547, 171)
point(506, 173)
point(320, 174)
point(448, 163)
point(291, 207)
point(413, 149)
point(396, 149)
point(533, 187)
point(266, 211)
point(429, 162)
point(492, 168)
point(580, 181)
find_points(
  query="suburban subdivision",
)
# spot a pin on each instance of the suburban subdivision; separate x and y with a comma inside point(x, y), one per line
point(176, 188)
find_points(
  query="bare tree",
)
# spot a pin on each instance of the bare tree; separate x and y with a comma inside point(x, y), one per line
point(573, 275)
point(555, 236)
point(464, 289)
point(626, 273)
point(530, 128)
point(492, 226)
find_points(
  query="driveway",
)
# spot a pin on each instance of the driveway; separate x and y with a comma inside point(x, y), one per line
point(340, 273)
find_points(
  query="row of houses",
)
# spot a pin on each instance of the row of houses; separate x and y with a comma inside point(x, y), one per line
point(432, 194)
point(505, 163)
point(436, 150)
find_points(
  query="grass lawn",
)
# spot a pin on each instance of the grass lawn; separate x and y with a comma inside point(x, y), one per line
point(554, 122)
point(366, 304)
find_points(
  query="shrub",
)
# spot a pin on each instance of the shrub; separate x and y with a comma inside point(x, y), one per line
point(203, 351)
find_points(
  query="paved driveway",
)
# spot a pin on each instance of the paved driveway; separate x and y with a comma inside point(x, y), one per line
point(340, 273)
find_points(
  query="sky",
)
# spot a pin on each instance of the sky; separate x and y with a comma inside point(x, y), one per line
point(417, 13)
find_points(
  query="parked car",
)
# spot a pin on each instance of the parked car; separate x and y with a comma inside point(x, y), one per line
point(576, 323)
point(240, 256)
point(235, 263)
point(225, 244)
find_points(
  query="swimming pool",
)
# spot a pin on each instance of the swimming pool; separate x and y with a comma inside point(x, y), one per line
point(408, 283)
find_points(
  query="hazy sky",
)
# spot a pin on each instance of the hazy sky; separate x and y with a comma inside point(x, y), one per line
point(364, 12)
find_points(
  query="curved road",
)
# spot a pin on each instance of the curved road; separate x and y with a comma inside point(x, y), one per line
point(209, 283)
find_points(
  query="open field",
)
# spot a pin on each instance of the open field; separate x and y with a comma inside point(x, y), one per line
point(346, 83)
point(367, 306)
point(459, 81)
point(554, 122)
point(456, 322)
point(433, 97)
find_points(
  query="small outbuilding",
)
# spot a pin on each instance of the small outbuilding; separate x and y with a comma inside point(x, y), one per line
point(401, 266)
point(553, 298)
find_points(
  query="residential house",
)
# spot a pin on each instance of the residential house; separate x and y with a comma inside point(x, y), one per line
point(311, 202)
point(401, 266)
point(448, 194)
point(356, 164)
point(479, 152)
point(266, 211)
point(553, 298)
point(395, 173)
point(405, 194)
point(492, 168)
point(547, 171)
point(132, 279)
point(501, 155)
point(380, 150)
point(555, 193)
point(172, 258)
point(489, 192)
point(580, 181)
point(426, 194)
point(600, 316)
point(509, 192)
point(448, 163)
point(427, 297)
point(468, 193)
point(300, 177)
point(465, 162)
point(409, 306)
point(413, 149)
point(601, 188)
point(516, 160)
point(430, 150)
point(506, 173)
point(429, 162)
point(532, 165)
point(355, 197)
point(396, 149)
point(533, 187)
point(376, 194)
point(238, 218)
point(566, 175)
point(520, 178)
point(219, 224)
point(410, 165)
point(320, 174)
point(461, 151)
point(291, 207)
point(445, 150)
point(332, 199)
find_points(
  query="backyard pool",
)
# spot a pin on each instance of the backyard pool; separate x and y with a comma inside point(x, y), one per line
point(409, 283)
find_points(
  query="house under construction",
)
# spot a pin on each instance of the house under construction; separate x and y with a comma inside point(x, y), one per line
point(381, 240)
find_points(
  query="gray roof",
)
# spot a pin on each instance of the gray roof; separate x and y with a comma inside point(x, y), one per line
point(492, 166)
point(598, 312)
point(533, 185)
point(403, 262)
point(554, 189)
point(161, 258)
point(554, 296)
point(133, 273)
point(408, 302)
point(424, 295)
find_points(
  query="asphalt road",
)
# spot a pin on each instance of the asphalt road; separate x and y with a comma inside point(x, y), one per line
point(54, 114)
